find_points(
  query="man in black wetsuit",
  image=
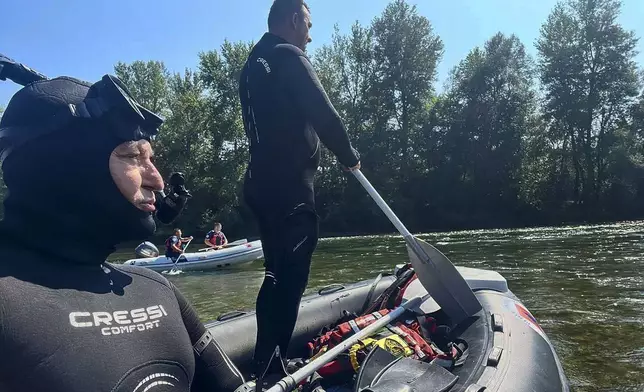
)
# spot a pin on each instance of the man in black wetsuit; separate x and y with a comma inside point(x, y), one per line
point(77, 160)
point(286, 113)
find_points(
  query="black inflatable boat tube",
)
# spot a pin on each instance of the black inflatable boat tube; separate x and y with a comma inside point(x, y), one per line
point(507, 349)
point(237, 336)
point(510, 350)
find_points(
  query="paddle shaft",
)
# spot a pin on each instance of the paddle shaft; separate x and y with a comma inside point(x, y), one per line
point(437, 274)
point(289, 382)
point(234, 243)
point(390, 214)
point(381, 203)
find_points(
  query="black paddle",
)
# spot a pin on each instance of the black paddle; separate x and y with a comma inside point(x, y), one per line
point(434, 270)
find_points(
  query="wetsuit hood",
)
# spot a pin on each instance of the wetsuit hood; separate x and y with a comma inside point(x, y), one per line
point(62, 200)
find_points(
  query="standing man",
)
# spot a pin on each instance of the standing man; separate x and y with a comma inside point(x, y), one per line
point(286, 113)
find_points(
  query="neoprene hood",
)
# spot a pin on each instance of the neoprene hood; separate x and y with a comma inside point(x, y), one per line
point(57, 136)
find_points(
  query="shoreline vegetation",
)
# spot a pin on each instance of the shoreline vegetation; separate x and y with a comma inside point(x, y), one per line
point(512, 141)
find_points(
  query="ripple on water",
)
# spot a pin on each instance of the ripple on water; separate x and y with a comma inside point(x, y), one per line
point(585, 285)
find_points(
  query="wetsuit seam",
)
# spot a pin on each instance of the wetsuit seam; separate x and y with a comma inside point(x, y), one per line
point(317, 147)
point(227, 360)
point(251, 111)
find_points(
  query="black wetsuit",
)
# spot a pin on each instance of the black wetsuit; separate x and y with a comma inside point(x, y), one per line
point(66, 325)
point(69, 322)
point(286, 113)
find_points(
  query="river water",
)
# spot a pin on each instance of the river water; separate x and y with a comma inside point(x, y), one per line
point(585, 285)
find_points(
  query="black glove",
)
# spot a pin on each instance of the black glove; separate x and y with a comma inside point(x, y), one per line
point(177, 182)
point(357, 155)
point(170, 206)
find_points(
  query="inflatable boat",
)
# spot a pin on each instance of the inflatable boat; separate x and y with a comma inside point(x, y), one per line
point(203, 261)
point(501, 348)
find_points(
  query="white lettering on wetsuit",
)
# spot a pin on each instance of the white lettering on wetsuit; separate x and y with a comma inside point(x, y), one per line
point(265, 64)
point(121, 321)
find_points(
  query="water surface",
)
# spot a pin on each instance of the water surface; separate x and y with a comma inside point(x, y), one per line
point(585, 285)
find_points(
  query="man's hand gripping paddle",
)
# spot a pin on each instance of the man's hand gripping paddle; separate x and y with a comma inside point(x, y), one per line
point(174, 269)
point(229, 245)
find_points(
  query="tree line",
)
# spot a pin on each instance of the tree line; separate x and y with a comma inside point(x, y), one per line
point(512, 140)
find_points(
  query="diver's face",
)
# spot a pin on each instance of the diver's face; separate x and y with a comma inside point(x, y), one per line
point(133, 171)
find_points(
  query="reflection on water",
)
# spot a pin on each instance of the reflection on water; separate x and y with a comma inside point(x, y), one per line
point(585, 284)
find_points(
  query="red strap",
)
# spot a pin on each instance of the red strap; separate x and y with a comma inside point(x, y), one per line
point(344, 330)
point(334, 367)
point(426, 348)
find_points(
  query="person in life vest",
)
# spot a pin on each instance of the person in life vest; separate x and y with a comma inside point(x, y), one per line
point(216, 239)
point(175, 245)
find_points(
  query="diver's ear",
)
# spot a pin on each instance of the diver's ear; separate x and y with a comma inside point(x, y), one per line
point(295, 20)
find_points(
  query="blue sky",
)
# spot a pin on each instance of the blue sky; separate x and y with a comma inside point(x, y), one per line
point(86, 38)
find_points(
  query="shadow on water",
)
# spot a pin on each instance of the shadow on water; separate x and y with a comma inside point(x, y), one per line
point(585, 284)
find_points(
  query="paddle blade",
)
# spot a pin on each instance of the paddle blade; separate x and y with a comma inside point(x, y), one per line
point(442, 281)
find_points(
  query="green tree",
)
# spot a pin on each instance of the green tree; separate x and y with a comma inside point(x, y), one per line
point(482, 154)
point(637, 116)
point(407, 52)
point(345, 68)
point(477, 129)
point(587, 69)
point(220, 72)
point(147, 81)
point(380, 79)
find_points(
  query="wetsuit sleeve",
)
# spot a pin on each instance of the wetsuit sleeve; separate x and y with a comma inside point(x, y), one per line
point(214, 371)
point(301, 80)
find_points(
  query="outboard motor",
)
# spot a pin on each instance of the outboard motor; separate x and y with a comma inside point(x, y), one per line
point(146, 249)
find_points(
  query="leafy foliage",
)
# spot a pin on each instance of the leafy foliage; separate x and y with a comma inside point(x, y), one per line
point(590, 80)
point(513, 140)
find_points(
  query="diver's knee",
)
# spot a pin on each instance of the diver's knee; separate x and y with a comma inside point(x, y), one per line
point(301, 234)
